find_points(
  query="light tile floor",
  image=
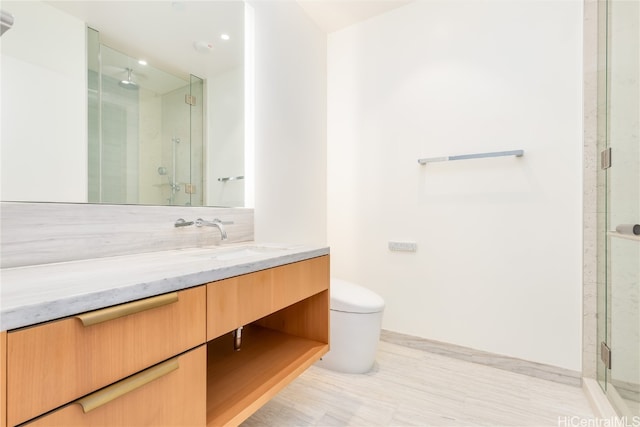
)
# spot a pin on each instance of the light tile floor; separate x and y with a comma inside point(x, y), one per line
point(410, 387)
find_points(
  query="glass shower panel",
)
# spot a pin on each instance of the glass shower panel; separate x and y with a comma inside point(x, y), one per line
point(113, 125)
point(624, 379)
point(176, 145)
point(119, 129)
point(623, 206)
point(197, 141)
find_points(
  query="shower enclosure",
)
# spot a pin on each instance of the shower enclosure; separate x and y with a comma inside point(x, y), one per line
point(145, 131)
point(619, 204)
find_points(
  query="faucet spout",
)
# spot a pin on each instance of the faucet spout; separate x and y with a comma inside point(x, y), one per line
point(215, 223)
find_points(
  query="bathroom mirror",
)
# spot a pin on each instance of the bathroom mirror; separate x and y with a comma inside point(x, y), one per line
point(45, 152)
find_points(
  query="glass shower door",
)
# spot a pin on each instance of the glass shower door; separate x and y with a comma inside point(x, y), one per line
point(620, 370)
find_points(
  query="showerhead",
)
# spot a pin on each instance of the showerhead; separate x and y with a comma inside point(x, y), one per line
point(128, 83)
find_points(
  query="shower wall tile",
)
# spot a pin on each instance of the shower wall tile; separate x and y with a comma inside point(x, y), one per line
point(42, 233)
point(590, 189)
point(590, 247)
point(590, 328)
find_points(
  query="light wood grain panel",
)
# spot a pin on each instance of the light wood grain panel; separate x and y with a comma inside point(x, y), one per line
point(299, 280)
point(75, 360)
point(222, 300)
point(176, 399)
point(308, 318)
point(3, 379)
point(241, 300)
point(254, 295)
point(240, 382)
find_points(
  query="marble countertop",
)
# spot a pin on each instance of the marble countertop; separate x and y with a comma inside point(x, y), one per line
point(39, 293)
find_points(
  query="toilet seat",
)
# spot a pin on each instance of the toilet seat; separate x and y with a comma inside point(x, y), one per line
point(351, 298)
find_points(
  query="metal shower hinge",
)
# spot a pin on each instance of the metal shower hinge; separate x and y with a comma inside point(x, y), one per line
point(605, 158)
point(605, 354)
point(190, 99)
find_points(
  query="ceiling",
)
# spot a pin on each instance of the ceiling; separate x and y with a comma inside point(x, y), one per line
point(163, 32)
point(334, 15)
point(168, 29)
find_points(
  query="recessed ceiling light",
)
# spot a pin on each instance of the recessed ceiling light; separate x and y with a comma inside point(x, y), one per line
point(224, 36)
point(142, 62)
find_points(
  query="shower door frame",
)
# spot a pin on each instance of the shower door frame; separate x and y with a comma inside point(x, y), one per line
point(609, 265)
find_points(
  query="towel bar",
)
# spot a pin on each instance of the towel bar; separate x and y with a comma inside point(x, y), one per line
point(230, 178)
point(517, 153)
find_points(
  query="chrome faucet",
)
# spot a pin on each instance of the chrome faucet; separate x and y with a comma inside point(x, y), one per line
point(180, 222)
point(215, 223)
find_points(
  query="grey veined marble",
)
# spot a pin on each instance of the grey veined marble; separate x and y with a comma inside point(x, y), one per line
point(39, 293)
point(41, 233)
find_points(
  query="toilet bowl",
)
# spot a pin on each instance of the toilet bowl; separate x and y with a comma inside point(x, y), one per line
point(355, 321)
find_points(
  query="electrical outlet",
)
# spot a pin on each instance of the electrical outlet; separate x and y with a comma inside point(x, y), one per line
point(403, 246)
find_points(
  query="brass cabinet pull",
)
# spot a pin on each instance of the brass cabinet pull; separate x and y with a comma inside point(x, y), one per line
point(110, 313)
point(119, 389)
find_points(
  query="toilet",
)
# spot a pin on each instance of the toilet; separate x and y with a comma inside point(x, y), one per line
point(355, 320)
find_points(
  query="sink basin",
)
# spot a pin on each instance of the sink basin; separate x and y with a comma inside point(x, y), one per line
point(246, 252)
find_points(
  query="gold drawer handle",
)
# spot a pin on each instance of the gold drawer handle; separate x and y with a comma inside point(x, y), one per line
point(110, 313)
point(112, 392)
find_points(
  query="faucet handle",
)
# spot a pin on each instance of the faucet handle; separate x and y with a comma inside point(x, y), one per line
point(200, 222)
point(180, 222)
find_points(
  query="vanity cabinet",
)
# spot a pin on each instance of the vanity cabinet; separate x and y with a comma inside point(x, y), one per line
point(173, 396)
point(170, 359)
point(60, 361)
point(240, 300)
point(284, 312)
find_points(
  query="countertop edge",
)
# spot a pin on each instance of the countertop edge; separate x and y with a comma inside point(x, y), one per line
point(30, 315)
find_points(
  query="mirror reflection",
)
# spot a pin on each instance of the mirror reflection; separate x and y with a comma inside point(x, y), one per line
point(145, 131)
point(73, 132)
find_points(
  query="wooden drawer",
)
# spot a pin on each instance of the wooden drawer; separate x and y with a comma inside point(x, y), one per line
point(175, 395)
point(57, 362)
point(240, 300)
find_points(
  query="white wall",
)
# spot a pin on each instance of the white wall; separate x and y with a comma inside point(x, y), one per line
point(44, 149)
point(290, 125)
point(498, 266)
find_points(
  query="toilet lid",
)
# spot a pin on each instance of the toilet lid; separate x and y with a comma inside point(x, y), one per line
point(352, 298)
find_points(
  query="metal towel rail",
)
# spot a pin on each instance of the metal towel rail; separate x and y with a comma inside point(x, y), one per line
point(6, 21)
point(517, 153)
point(230, 178)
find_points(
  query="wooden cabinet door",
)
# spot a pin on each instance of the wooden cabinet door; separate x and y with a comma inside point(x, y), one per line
point(54, 363)
point(240, 300)
point(174, 396)
point(3, 379)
